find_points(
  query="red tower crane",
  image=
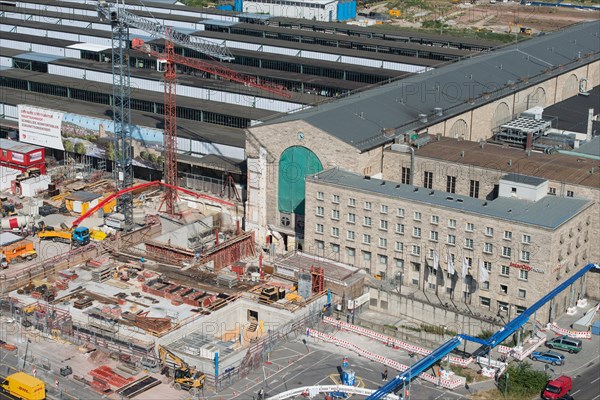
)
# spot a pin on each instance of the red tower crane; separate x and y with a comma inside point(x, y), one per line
point(170, 107)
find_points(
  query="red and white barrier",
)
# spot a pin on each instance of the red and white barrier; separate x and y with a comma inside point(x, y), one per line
point(566, 332)
point(390, 340)
point(447, 383)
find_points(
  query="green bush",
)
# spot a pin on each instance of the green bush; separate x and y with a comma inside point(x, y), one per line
point(485, 334)
point(144, 155)
point(79, 148)
point(68, 145)
point(523, 381)
point(152, 157)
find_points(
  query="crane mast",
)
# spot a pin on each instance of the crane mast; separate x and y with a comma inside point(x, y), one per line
point(122, 115)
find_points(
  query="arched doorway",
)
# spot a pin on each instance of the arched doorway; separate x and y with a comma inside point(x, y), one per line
point(459, 129)
point(571, 87)
point(501, 115)
point(295, 163)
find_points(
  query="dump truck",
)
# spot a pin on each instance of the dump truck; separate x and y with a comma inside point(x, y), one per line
point(23, 250)
point(79, 236)
point(25, 387)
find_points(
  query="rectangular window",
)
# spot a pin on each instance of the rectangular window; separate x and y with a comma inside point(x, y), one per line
point(523, 275)
point(470, 227)
point(416, 250)
point(526, 239)
point(522, 293)
point(417, 216)
point(351, 251)
point(366, 255)
point(435, 219)
point(399, 263)
point(428, 180)
point(570, 193)
point(335, 248)
point(489, 231)
point(400, 229)
point(383, 260)
point(485, 302)
point(450, 184)
point(505, 270)
point(405, 175)
point(416, 266)
point(504, 289)
point(320, 228)
point(335, 232)
point(400, 212)
point(433, 235)
point(552, 191)
point(488, 248)
point(399, 247)
point(367, 221)
point(452, 223)
point(351, 218)
point(474, 189)
point(487, 265)
point(525, 255)
point(320, 211)
point(351, 202)
point(416, 232)
point(485, 285)
point(382, 242)
point(335, 214)
point(335, 199)
point(366, 238)
point(507, 235)
point(451, 239)
point(383, 225)
point(469, 243)
point(368, 205)
point(320, 196)
point(350, 235)
point(506, 252)
point(320, 244)
point(383, 209)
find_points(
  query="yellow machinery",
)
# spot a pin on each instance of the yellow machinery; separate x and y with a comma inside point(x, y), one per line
point(395, 13)
point(520, 29)
point(184, 377)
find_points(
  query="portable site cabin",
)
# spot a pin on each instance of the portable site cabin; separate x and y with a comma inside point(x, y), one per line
point(82, 201)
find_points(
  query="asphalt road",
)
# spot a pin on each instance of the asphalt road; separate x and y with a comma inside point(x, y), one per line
point(586, 386)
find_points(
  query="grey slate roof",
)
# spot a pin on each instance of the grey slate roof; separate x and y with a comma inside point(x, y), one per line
point(572, 114)
point(360, 119)
point(550, 212)
point(528, 180)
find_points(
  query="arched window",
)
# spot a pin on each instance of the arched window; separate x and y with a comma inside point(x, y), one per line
point(295, 163)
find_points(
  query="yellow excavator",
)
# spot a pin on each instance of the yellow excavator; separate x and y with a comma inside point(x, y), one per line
point(184, 376)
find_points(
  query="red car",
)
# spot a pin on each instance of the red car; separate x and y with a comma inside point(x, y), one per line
point(557, 388)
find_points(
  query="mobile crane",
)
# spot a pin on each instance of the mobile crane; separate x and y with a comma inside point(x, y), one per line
point(184, 376)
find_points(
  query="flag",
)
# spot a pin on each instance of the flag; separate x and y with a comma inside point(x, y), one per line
point(436, 261)
point(450, 263)
point(484, 275)
point(465, 267)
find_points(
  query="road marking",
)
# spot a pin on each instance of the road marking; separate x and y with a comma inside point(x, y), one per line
point(596, 397)
point(574, 393)
point(595, 380)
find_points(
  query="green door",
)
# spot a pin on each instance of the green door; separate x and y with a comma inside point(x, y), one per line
point(295, 163)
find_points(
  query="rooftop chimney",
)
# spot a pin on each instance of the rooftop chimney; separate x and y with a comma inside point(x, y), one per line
point(529, 143)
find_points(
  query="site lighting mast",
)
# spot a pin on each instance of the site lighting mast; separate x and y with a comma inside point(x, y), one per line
point(121, 20)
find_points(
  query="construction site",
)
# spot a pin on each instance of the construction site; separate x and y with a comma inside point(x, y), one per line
point(171, 291)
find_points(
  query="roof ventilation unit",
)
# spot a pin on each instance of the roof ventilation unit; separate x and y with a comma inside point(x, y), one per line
point(438, 111)
point(423, 118)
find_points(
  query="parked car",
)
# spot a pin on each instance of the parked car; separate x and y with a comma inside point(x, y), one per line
point(550, 357)
point(565, 343)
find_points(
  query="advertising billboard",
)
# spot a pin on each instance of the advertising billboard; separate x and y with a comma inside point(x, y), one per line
point(40, 126)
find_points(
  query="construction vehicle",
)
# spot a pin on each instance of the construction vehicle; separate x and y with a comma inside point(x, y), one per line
point(24, 386)
point(519, 29)
point(184, 376)
point(79, 236)
point(395, 13)
point(23, 250)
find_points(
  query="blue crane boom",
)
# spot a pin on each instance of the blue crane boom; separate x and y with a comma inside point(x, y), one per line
point(426, 362)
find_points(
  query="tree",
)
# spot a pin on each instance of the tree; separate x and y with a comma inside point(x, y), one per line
point(523, 381)
point(110, 152)
point(152, 157)
point(160, 161)
point(68, 145)
point(79, 148)
point(144, 155)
